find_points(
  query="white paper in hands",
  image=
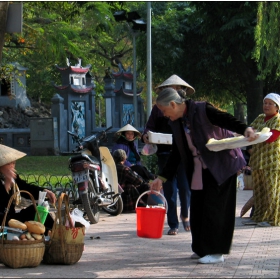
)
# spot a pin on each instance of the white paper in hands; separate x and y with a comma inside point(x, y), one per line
point(42, 196)
point(159, 138)
point(237, 142)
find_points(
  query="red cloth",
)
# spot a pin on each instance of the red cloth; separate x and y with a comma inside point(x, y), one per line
point(274, 136)
point(275, 133)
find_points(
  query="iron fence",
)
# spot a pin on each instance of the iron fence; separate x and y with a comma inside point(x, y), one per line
point(57, 184)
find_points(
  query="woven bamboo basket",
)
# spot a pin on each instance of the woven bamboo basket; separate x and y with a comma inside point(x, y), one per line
point(248, 182)
point(54, 253)
point(17, 254)
point(59, 251)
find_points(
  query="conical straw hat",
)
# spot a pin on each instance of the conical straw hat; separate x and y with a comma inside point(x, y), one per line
point(128, 127)
point(176, 80)
point(8, 155)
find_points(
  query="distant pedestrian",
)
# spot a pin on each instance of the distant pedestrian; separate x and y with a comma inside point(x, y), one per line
point(179, 183)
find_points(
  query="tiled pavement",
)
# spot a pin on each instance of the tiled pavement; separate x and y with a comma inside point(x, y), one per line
point(113, 250)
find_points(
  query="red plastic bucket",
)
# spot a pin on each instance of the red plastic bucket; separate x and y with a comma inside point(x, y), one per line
point(150, 221)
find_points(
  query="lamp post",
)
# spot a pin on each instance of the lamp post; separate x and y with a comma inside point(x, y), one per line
point(138, 25)
point(134, 80)
point(149, 61)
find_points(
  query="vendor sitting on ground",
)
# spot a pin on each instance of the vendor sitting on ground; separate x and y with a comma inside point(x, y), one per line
point(125, 140)
point(132, 183)
point(11, 183)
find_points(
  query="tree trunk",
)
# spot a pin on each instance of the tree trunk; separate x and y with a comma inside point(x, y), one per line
point(3, 19)
point(254, 99)
point(239, 111)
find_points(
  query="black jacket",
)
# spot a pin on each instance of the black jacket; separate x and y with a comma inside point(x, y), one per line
point(5, 197)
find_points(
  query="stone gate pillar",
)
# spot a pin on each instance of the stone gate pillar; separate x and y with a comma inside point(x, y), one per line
point(59, 112)
point(109, 95)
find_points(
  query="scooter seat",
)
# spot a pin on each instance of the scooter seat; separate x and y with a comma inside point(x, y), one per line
point(91, 159)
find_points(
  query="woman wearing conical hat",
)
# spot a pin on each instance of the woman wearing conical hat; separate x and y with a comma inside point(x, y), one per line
point(10, 183)
point(158, 123)
point(125, 141)
point(177, 83)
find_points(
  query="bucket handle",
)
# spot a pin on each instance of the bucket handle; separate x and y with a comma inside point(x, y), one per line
point(165, 202)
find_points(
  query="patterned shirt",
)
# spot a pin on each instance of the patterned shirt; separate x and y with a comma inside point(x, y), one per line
point(127, 176)
point(266, 155)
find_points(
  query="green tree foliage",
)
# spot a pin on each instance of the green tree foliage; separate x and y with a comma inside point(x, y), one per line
point(228, 28)
point(224, 33)
point(3, 16)
point(267, 51)
point(210, 45)
point(54, 31)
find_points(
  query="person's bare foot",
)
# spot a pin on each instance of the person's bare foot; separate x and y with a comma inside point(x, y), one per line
point(172, 231)
point(186, 223)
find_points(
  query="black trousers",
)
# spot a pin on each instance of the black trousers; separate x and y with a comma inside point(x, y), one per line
point(212, 215)
point(143, 172)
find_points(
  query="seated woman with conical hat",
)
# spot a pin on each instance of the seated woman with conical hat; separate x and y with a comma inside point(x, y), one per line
point(11, 183)
point(125, 141)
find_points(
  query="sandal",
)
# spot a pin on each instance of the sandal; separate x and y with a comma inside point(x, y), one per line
point(264, 224)
point(172, 231)
point(249, 223)
point(186, 225)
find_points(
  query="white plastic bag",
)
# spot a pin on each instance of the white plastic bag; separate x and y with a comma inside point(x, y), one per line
point(149, 149)
point(77, 216)
point(240, 182)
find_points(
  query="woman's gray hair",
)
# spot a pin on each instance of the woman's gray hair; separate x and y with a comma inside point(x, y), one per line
point(119, 155)
point(168, 95)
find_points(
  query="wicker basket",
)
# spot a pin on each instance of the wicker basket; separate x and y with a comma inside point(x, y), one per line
point(248, 182)
point(18, 254)
point(55, 255)
point(59, 251)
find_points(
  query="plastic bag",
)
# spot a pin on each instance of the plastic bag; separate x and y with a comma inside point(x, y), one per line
point(240, 182)
point(77, 216)
point(149, 149)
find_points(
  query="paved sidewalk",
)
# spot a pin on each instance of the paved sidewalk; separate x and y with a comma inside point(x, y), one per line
point(116, 252)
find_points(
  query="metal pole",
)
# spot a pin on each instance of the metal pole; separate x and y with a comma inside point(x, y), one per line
point(99, 108)
point(134, 82)
point(149, 61)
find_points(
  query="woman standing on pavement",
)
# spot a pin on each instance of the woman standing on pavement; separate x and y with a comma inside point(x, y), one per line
point(212, 174)
point(158, 123)
point(265, 165)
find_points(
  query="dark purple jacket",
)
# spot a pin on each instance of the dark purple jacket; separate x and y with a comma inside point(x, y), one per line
point(205, 122)
point(158, 123)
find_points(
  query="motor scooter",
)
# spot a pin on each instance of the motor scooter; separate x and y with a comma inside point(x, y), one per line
point(95, 175)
